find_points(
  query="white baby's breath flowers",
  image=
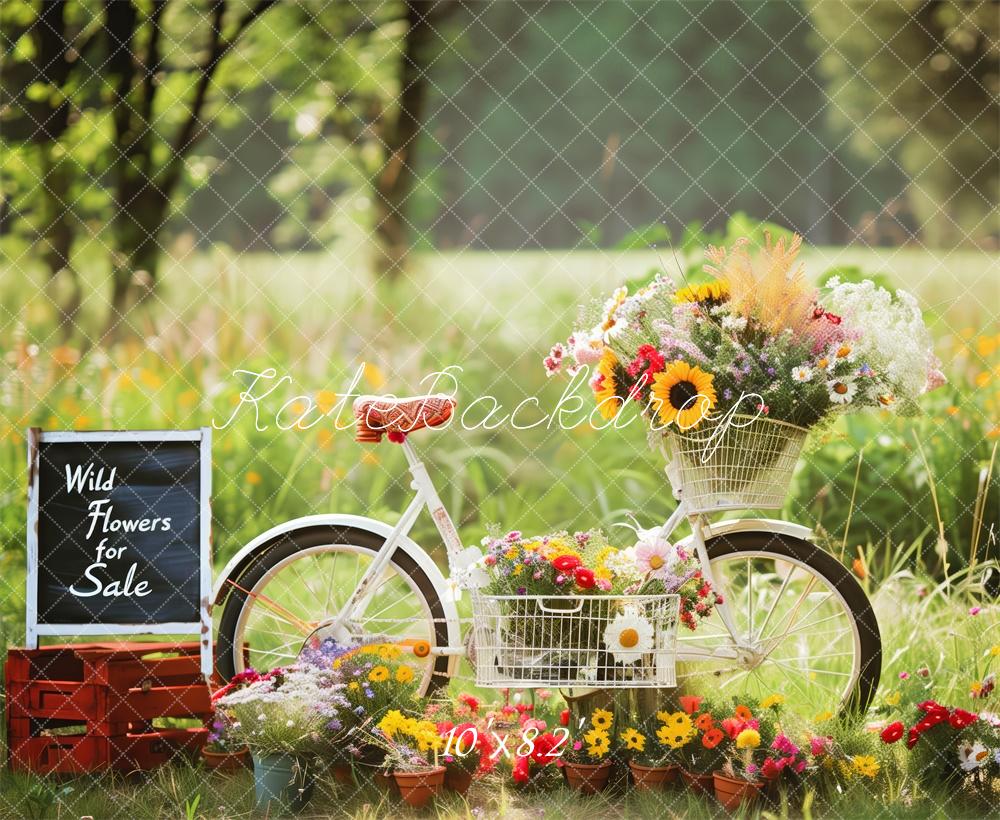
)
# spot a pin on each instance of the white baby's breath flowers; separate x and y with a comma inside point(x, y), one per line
point(736, 323)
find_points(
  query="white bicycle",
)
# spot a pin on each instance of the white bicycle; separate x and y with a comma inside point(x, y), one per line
point(793, 620)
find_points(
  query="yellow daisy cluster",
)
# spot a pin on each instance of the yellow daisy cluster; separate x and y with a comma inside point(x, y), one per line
point(601, 570)
point(748, 739)
point(385, 651)
point(424, 732)
point(550, 549)
point(716, 291)
point(865, 765)
point(598, 739)
point(676, 729)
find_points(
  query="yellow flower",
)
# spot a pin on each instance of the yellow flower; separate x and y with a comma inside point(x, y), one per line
point(771, 701)
point(353, 686)
point(892, 699)
point(391, 722)
point(253, 478)
point(673, 737)
point(379, 674)
point(714, 291)
point(663, 717)
point(404, 674)
point(748, 739)
point(822, 717)
point(602, 719)
point(684, 395)
point(995, 651)
point(606, 388)
point(865, 765)
point(598, 742)
point(633, 740)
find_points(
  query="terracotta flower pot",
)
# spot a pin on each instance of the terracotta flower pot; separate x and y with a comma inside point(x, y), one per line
point(385, 781)
point(235, 761)
point(652, 777)
point(458, 780)
point(732, 792)
point(588, 778)
point(417, 788)
point(698, 783)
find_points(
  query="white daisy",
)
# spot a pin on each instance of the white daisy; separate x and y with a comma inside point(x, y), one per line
point(972, 755)
point(843, 352)
point(801, 373)
point(629, 636)
point(841, 392)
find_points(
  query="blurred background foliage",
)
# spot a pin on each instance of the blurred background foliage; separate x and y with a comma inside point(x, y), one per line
point(195, 186)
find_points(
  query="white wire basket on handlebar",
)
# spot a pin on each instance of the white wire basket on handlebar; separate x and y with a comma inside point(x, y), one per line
point(745, 462)
point(602, 641)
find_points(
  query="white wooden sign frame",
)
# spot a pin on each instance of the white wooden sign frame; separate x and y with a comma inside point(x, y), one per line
point(201, 627)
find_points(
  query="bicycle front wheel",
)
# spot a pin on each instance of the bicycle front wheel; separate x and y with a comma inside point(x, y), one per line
point(304, 579)
point(804, 627)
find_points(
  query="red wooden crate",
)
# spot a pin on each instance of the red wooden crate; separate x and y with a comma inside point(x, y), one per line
point(101, 700)
point(80, 753)
point(113, 688)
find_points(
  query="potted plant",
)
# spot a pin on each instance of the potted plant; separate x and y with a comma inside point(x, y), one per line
point(413, 748)
point(705, 750)
point(587, 762)
point(286, 718)
point(650, 760)
point(462, 754)
point(219, 752)
point(738, 781)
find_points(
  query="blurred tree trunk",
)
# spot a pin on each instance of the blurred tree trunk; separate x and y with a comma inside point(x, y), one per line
point(399, 132)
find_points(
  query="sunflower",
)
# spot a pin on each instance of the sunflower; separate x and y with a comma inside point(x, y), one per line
point(715, 291)
point(404, 674)
point(598, 742)
point(684, 394)
point(673, 737)
point(379, 674)
point(633, 740)
point(602, 719)
point(605, 387)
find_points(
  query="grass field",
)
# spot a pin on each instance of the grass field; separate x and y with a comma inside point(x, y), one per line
point(918, 509)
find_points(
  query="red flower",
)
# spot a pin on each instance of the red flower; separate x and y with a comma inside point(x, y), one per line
point(521, 767)
point(690, 703)
point(566, 563)
point(930, 706)
point(544, 749)
point(564, 717)
point(446, 726)
point(712, 738)
point(771, 768)
point(912, 737)
point(469, 701)
point(892, 732)
point(584, 578)
point(960, 719)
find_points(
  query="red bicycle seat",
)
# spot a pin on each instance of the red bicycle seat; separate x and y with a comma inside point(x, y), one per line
point(398, 417)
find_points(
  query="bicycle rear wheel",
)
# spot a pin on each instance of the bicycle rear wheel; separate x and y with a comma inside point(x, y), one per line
point(805, 627)
point(303, 579)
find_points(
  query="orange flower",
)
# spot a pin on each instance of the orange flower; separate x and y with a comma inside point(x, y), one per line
point(704, 721)
point(743, 713)
point(690, 703)
point(712, 738)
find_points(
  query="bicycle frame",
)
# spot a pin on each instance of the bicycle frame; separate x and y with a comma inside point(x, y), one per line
point(425, 495)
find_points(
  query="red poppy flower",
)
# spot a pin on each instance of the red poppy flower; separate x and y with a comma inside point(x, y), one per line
point(584, 578)
point(929, 706)
point(743, 713)
point(704, 721)
point(566, 563)
point(892, 732)
point(732, 726)
point(960, 719)
point(690, 703)
point(521, 766)
point(564, 717)
point(712, 738)
point(912, 737)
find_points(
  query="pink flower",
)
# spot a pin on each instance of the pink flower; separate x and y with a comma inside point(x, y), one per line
point(818, 746)
point(587, 350)
point(656, 557)
point(975, 610)
point(904, 675)
point(604, 584)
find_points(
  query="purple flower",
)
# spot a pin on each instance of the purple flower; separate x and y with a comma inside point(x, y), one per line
point(727, 394)
point(771, 371)
point(522, 591)
point(334, 725)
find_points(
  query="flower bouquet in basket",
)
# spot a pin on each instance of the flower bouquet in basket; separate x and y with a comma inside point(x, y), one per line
point(563, 608)
point(736, 369)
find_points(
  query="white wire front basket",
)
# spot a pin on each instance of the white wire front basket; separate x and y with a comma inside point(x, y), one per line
point(745, 462)
point(600, 641)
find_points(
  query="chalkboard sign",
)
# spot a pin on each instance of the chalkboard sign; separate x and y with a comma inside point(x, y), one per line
point(118, 533)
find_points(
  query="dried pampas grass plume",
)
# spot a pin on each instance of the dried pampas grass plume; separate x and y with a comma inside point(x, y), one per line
point(776, 295)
